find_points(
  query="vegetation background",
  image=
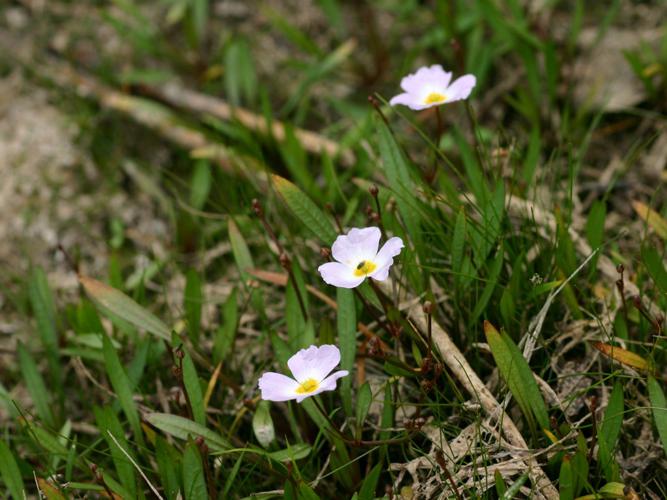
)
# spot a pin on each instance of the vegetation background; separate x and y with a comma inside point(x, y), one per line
point(142, 295)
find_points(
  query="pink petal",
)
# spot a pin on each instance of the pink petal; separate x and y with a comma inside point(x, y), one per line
point(405, 99)
point(433, 76)
point(340, 275)
point(357, 245)
point(385, 258)
point(277, 387)
point(461, 88)
point(314, 362)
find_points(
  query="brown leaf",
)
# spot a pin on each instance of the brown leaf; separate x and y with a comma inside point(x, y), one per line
point(622, 356)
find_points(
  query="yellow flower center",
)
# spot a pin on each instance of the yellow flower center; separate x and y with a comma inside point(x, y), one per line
point(364, 268)
point(308, 386)
point(435, 98)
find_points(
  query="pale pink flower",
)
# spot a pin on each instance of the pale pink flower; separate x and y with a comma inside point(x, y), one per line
point(357, 257)
point(430, 86)
point(310, 368)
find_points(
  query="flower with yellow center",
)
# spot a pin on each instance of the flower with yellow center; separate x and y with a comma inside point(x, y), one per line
point(357, 257)
point(430, 86)
point(311, 368)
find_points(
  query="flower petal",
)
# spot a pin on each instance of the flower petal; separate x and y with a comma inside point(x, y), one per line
point(277, 387)
point(328, 384)
point(461, 88)
point(390, 249)
point(405, 99)
point(385, 258)
point(314, 362)
point(432, 76)
point(340, 275)
point(357, 245)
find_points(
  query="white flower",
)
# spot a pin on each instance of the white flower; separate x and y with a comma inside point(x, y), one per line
point(310, 368)
point(357, 255)
point(430, 86)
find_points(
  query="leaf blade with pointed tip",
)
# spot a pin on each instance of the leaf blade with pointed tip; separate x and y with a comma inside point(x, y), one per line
point(652, 218)
point(182, 428)
point(115, 303)
point(305, 209)
point(622, 356)
point(517, 374)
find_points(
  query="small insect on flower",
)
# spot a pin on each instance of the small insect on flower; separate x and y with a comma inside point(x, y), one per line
point(357, 257)
point(310, 367)
point(430, 86)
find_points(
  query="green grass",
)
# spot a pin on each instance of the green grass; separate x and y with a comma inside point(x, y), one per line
point(146, 380)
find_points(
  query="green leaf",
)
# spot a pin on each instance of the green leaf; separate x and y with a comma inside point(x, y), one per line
point(655, 267)
point(116, 304)
point(231, 478)
point(262, 424)
point(192, 304)
point(182, 428)
point(494, 273)
point(242, 255)
point(108, 422)
point(347, 339)
point(364, 399)
point(10, 472)
point(193, 390)
point(516, 373)
point(609, 431)
point(194, 480)
point(595, 227)
point(368, 487)
point(36, 387)
point(659, 407)
point(305, 210)
point(566, 480)
point(387, 420)
point(121, 386)
point(168, 462)
point(292, 452)
point(458, 242)
point(397, 171)
point(44, 309)
point(226, 333)
point(200, 186)
point(501, 486)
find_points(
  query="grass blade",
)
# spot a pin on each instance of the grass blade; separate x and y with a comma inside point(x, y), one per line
point(194, 480)
point(43, 306)
point(193, 390)
point(659, 407)
point(36, 387)
point(10, 471)
point(347, 339)
point(121, 386)
point(610, 428)
point(192, 304)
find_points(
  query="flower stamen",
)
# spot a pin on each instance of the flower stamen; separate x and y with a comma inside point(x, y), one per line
point(435, 98)
point(308, 386)
point(364, 268)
